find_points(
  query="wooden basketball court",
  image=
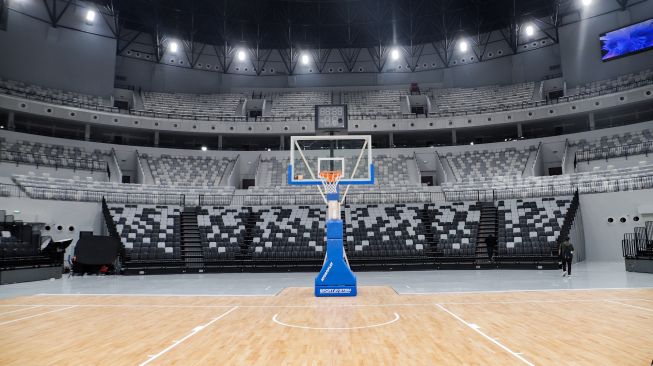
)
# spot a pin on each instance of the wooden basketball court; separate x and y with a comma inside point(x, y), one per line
point(379, 327)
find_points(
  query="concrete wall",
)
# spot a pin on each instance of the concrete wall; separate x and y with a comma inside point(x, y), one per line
point(603, 240)
point(580, 49)
point(34, 52)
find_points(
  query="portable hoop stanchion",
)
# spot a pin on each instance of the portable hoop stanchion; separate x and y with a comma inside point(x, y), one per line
point(336, 277)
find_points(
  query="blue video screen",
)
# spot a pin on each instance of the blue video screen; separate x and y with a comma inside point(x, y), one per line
point(626, 41)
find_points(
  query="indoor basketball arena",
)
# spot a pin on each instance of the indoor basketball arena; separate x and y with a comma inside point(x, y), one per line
point(326, 182)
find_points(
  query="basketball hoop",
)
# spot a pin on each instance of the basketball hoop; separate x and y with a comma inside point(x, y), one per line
point(330, 179)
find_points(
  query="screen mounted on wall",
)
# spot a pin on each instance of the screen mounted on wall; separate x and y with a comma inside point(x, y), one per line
point(626, 41)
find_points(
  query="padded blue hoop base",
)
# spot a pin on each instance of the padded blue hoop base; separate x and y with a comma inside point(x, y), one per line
point(339, 291)
point(335, 278)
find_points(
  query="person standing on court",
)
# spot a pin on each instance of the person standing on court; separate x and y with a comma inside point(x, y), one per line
point(566, 253)
point(490, 244)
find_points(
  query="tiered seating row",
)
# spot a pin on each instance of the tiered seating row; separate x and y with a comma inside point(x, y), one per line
point(384, 230)
point(455, 227)
point(526, 227)
point(62, 96)
point(149, 233)
point(531, 227)
point(616, 140)
point(368, 103)
point(180, 104)
point(188, 170)
point(362, 104)
point(482, 99)
point(578, 179)
point(610, 84)
point(479, 164)
point(36, 153)
point(297, 105)
point(46, 187)
point(222, 231)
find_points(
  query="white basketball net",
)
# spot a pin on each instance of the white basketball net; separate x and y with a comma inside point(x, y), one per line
point(330, 187)
point(330, 181)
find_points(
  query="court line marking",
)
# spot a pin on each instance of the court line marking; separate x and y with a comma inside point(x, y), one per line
point(34, 316)
point(323, 306)
point(22, 309)
point(475, 328)
point(512, 291)
point(395, 290)
point(631, 306)
point(194, 331)
point(274, 319)
point(163, 295)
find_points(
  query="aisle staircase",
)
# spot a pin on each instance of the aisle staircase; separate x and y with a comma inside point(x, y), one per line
point(246, 246)
point(427, 221)
point(569, 217)
point(488, 224)
point(191, 244)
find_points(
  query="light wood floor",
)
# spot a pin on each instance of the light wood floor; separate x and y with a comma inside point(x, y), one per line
point(379, 327)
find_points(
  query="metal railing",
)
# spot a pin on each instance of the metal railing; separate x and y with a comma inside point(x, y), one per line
point(73, 194)
point(482, 195)
point(606, 153)
point(19, 157)
point(11, 190)
point(316, 199)
point(563, 189)
point(639, 243)
point(632, 245)
point(187, 116)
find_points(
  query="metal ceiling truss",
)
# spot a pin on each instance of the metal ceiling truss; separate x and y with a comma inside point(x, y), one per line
point(381, 25)
point(223, 49)
point(320, 57)
point(623, 4)
point(413, 52)
point(349, 57)
point(53, 13)
point(259, 59)
point(379, 56)
point(444, 48)
point(289, 57)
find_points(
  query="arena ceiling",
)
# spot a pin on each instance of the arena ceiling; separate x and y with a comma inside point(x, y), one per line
point(275, 24)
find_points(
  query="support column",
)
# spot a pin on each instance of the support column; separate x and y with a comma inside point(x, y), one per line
point(391, 139)
point(591, 120)
point(454, 140)
point(282, 143)
point(156, 138)
point(219, 142)
point(87, 132)
point(520, 132)
point(11, 121)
